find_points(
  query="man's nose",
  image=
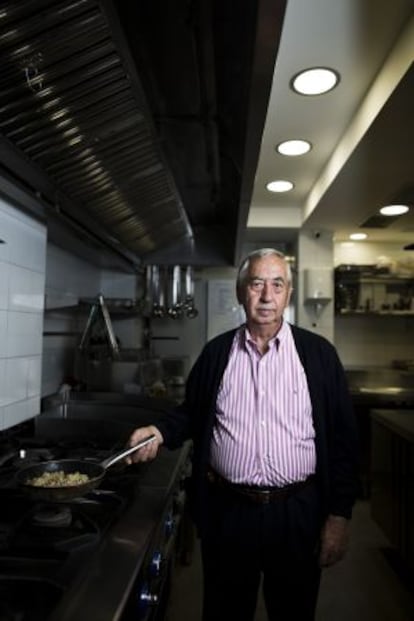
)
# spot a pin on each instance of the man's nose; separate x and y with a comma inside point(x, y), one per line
point(266, 293)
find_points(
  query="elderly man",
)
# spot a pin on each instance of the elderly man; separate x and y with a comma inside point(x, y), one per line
point(275, 454)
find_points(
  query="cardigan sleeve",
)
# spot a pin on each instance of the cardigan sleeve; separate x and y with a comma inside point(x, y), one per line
point(193, 418)
point(344, 445)
point(336, 434)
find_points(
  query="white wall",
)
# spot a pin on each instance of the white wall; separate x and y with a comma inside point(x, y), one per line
point(22, 280)
point(371, 253)
point(315, 251)
point(374, 341)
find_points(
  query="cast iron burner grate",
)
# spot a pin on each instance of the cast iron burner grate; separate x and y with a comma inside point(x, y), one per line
point(38, 535)
point(27, 599)
point(50, 530)
point(53, 516)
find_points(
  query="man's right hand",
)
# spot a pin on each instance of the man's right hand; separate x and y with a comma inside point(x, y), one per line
point(148, 452)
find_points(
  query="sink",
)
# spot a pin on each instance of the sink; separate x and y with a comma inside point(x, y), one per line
point(107, 398)
point(116, 407)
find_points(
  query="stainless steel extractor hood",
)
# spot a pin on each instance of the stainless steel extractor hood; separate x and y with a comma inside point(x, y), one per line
point(138, 123)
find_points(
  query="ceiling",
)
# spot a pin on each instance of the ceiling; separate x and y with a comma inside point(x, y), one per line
point(149, 127)
point(138, 124)
point(362, 132)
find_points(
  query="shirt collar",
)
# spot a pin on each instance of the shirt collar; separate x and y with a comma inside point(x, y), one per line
point(246, 339)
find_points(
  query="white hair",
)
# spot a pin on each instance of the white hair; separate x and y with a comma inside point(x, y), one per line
point(258, 254)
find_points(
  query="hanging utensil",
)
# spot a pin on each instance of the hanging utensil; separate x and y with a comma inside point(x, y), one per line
point(175, 308)
point(191, 311)
point(158, 308)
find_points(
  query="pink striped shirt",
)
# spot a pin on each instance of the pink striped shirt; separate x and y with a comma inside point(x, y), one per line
point(263, 434)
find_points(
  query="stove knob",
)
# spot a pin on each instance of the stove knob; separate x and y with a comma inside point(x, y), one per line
point(155, 564)
point(169, 524)
point(146, 598)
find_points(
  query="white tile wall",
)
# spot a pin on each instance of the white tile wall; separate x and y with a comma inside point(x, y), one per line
point(2, 381)
point(4, 283)
point(18, 412)
point(17, 370)
point(26, 290)
point(34, 376)
point(24, 334)
point(3, 333)
point(22, 284)
point(25, 239)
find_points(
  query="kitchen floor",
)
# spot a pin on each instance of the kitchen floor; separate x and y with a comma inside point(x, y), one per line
point(365, 586)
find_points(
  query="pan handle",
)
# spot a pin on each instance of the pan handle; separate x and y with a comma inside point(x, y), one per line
point(106, 463)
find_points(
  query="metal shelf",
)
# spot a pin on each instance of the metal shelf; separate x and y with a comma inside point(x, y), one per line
point(362, 313)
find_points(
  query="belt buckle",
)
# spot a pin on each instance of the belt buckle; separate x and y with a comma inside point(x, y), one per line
point(263, 496)
point(266, 496)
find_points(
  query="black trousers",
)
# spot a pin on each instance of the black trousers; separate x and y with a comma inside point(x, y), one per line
point(245, 542)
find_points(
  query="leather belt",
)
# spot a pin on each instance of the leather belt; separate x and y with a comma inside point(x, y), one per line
point(259, 495)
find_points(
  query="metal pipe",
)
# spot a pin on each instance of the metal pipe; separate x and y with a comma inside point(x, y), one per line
point(86, 333)
point(108, 326)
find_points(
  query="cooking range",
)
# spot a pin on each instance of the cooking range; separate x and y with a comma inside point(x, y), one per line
point(105, 555)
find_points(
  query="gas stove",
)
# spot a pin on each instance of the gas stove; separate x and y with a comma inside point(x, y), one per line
point(100, 556)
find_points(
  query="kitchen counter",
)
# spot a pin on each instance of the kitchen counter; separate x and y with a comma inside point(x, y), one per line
point(381, 387)
point(102, 590)
point(117, 569)
point(392, 479)
point(400, 422)
point(376, 388)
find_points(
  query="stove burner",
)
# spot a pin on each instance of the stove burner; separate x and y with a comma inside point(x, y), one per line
point(27, 598)
point(53, 516)
point(45, 546)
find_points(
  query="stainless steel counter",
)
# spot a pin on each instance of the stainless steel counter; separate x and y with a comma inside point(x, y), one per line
point(400, 422)
point(392, 475)
point(107, 582)
point(381, 387)
point(375, 388)
point(112, 576)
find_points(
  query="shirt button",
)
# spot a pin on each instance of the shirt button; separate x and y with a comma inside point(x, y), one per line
point(263, 423)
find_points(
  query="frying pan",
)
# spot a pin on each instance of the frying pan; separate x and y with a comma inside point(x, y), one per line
point(95, 472)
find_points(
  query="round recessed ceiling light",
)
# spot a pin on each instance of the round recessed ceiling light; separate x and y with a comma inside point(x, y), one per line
point(315, 81)
point(294, 147)
point(279, 186)
point(358, 236)
point(394, 210)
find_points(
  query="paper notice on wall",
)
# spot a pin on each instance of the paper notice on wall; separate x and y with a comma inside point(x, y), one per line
point(223, 310)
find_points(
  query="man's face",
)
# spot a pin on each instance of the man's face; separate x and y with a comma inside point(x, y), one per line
point(266, 292)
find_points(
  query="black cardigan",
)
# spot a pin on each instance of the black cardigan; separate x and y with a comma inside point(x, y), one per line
point(337, 452)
